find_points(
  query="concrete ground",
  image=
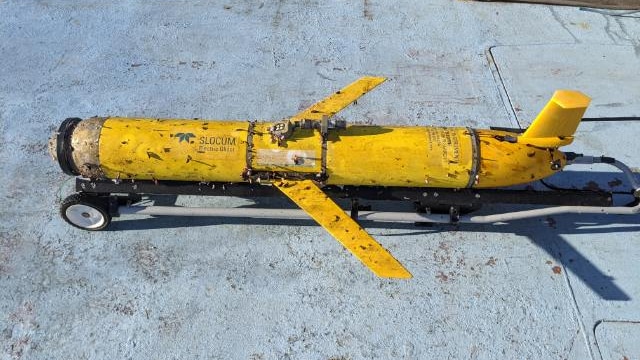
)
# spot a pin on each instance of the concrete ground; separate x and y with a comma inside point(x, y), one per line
point(558, 288)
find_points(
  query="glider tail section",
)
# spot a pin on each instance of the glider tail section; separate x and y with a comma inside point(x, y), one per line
point(557, 122)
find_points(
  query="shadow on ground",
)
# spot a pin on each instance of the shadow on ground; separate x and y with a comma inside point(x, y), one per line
point(549, 238)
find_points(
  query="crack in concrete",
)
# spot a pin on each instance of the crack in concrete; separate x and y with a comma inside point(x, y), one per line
point(557, 18)
point(607, 29)
point(635, 42)
point(502, 88)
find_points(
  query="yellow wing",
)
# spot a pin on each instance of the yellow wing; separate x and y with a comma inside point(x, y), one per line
point(310, 198)
point(340, 99)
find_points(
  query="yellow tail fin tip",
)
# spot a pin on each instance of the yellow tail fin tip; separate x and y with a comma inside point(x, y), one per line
point(571, 99)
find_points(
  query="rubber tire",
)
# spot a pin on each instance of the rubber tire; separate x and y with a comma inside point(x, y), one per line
point(98, 203)
point(63, 146)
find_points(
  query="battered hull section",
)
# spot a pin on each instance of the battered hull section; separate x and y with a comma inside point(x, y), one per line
point(300, 153)
point(189, 150)
point(503, 163)
point(400, 156)
point(236, 151)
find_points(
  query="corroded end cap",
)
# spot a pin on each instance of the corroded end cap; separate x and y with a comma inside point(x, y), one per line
point(75, 146)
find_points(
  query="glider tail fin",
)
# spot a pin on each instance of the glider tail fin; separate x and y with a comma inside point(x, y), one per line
point(557, 122)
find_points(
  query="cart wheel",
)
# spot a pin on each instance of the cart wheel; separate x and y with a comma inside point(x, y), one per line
point(85, 212)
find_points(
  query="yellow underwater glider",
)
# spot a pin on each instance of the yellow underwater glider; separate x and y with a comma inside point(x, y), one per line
point(314, 160)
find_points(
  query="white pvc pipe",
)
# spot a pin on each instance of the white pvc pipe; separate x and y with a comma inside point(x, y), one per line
point(261, 213)
point(410, 217)
point(557, 210)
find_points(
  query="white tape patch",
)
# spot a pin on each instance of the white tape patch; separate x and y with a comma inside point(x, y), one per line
point(274, 157)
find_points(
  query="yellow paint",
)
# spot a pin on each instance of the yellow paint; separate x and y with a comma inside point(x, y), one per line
point(340, 99)
point(191, 150)
point(546, 142)
point(399, 156)
point(301, 152)
point(330, 216)
point(199, 150)
point(504, 164)
point(557, 122)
